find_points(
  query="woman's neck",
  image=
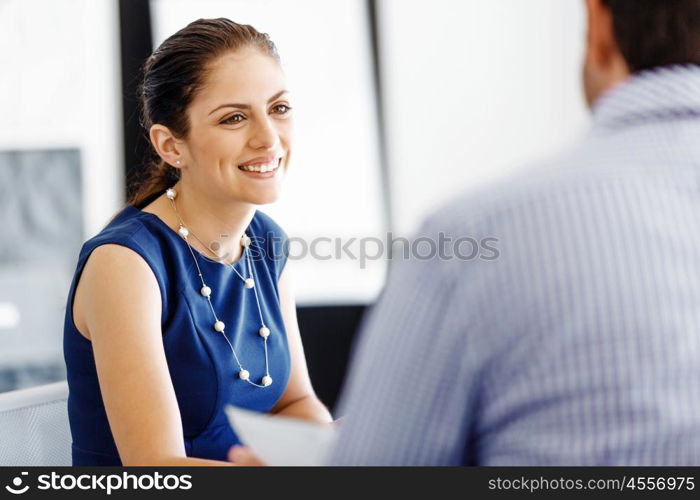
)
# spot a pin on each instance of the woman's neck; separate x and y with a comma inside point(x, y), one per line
point(219, 226)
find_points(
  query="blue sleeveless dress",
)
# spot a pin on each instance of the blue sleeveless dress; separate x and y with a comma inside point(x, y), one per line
point(202, 368)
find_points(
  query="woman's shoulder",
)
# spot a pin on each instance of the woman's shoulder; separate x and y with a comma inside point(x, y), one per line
point(130, 232)
point(125, 228)
point(131, 228)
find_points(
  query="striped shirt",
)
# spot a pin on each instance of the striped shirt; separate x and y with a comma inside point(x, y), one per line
point(578, 341)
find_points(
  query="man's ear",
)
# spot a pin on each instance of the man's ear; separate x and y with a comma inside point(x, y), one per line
point(168, 147)
point(602, 50)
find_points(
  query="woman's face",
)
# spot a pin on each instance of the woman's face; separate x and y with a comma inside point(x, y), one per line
point(240, 129)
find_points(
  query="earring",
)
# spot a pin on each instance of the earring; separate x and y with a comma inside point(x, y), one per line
point(177, 162)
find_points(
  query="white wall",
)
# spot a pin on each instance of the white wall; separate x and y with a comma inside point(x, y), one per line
point(60, 88)
point(473, 90)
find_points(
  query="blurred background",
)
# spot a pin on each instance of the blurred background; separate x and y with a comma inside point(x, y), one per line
point(399, 106)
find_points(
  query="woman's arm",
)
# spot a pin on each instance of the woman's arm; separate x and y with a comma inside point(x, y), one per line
point(299, 399)
point(121, 306)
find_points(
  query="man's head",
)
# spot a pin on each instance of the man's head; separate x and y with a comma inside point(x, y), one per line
point(627, 36)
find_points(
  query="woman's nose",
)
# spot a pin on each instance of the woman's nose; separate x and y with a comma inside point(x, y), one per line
point(264, 135)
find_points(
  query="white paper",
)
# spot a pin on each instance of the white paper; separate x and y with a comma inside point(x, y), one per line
point(281, 440)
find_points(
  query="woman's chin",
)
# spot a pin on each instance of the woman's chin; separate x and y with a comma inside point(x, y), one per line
point(263, 198)
point(262, 191)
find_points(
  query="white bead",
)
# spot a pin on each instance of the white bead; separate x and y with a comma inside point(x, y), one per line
point(266, 380)
point(245, 241)
point(206, 291)
point(183, 231)
point(243, 374)
point(219, 326)
point(249, 283)
point(170, 193)
point(264, 332)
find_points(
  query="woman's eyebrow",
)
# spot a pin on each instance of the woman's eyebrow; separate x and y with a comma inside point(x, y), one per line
point(247, 106)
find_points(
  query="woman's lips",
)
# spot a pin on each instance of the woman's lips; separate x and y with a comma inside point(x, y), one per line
point(261, 175)
point(262, 160)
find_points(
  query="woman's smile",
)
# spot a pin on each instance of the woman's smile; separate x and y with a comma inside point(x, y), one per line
point(261, 168)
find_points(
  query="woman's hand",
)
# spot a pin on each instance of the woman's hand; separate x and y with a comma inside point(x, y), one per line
point(242, 456)
point(334, 424)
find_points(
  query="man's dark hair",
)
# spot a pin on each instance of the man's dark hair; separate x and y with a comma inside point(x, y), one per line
point(652, 33)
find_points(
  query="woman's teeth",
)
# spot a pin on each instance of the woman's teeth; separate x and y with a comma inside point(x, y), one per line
point(260, 168)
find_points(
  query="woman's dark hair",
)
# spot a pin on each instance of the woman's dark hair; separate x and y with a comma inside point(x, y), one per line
point(653, 33)
point(172, 76)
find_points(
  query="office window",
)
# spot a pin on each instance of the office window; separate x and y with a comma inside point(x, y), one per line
point(60, 168)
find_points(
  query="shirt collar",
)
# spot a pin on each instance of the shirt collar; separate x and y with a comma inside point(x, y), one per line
point(665, 93)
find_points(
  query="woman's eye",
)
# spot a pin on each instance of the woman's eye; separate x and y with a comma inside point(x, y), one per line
point(281, 109)
point(233, 119)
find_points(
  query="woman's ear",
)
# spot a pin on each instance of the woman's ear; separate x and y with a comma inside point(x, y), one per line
point(168, 147)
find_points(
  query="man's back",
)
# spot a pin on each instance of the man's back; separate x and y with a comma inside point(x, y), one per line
point(580, 342)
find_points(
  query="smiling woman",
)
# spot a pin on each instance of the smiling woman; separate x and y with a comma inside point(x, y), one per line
point(180, 305)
